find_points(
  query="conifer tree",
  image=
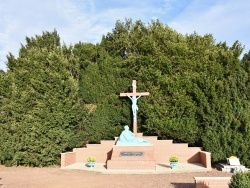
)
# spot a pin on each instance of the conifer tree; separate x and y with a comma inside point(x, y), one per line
point(100, 84)
point(42, 111)
point(57, 97)
point(198, 88)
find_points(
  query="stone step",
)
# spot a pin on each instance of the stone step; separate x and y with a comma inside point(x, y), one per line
point(180, 145)
point(98, 146)
point(108, 142)
point(140, 135)
point(150, 138)
point(92, 145)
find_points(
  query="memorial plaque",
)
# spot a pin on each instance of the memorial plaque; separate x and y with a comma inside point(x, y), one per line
point(131, 154)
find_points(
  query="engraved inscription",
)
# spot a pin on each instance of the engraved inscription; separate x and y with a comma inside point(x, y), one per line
point(131, 154)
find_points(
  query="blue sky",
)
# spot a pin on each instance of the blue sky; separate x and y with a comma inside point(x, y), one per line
point(88, 20)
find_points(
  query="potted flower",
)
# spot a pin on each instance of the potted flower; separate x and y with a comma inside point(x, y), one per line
point(91, 161)
point(174, 161)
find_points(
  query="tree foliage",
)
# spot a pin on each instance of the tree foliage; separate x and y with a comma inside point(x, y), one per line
point(240, 180)
point(100, 84)
point(42, 110)
point(199, 88)
point(58, 97)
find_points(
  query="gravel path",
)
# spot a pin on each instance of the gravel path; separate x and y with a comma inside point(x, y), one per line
point(54, 177)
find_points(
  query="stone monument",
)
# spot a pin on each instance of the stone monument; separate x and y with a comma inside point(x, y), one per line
point(131, 152)
point(133, 97)
point(127, 138)
point(232, 165)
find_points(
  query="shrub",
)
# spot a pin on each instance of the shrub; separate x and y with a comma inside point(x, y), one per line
point(240, 180)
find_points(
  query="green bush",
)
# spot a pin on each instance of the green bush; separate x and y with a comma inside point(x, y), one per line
point(240, 180)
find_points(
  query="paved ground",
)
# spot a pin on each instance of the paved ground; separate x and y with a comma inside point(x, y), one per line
point(54, 177)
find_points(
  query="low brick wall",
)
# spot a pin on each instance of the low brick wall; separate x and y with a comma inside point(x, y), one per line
point(102, 152)
point(205, 158)
point(68, 158)
point(212, 182)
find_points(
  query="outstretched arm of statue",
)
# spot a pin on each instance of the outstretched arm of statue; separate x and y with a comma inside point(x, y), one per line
point(128, 96)
point(139, 96)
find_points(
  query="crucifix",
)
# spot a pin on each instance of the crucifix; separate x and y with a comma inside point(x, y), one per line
point(134, 97)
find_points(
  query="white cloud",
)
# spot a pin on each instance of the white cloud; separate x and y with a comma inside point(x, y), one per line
point(227, 20)
point(24, 18)
point(87, 21)
point(166, 6)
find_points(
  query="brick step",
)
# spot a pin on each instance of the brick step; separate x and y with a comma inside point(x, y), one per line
point(180, 145)
point(140, 135)
point(150, 138)
point(99, 146)
point(165, 141)
point(108, 142)
point(92, 145)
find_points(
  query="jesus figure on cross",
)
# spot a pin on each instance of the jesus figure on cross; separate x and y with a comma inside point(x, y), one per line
point(134, 105)
point(134, 96)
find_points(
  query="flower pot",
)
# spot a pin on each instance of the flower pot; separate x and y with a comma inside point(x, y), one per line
point(91, 164)
point(174, 164)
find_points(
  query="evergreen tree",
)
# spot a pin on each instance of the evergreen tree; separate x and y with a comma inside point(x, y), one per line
point(100, 84)
point(54, 97)
point(197, 87)
point(42, 112)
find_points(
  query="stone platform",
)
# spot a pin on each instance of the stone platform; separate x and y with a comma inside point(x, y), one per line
point(163, 149)
point(163, 168)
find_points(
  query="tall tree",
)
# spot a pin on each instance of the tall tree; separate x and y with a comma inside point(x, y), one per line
point(42, 111)
point(198, 87)
point(100, 84)
point(199, 92)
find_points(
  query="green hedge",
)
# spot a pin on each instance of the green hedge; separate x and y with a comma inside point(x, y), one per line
point(240, 180)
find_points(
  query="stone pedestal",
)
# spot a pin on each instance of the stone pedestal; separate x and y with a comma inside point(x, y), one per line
point(132, 158)
point(230, 168)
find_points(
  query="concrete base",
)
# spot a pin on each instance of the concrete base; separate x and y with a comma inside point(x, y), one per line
point(230, 168)
point(163, 168)
point(132, 158)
